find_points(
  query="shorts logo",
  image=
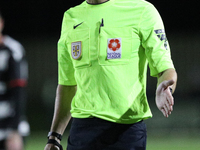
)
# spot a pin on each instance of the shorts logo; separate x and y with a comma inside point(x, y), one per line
point(76, 50)
point(114, 48)
point(162, 36)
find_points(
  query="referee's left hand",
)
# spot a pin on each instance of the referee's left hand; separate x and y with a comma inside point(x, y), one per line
point(164, 98)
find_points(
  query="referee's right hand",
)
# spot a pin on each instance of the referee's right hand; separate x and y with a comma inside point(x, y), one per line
point(51, 147)
point(53, 143)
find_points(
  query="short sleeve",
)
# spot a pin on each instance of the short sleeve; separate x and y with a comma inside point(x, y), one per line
point(65, 65)
point(154, 41)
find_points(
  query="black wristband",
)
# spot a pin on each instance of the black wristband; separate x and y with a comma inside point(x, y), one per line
point(54, 142)
point(170, 89)
point(59, 136)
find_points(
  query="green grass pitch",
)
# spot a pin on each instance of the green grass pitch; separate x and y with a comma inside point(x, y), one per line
point(37, 141)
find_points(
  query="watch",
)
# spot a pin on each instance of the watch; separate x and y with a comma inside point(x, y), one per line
point(59, 136)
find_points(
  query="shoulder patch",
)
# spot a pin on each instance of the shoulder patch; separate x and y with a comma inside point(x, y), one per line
point(162, 36)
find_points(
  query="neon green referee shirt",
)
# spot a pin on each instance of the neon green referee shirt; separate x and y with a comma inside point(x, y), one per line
point(104, 50)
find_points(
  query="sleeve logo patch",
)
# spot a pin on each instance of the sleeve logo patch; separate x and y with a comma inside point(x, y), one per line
point(114, 48)
point(162, 36)
point(76, 50)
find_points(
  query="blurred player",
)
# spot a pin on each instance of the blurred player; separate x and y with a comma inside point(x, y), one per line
point(103, 51)
point(13, 80)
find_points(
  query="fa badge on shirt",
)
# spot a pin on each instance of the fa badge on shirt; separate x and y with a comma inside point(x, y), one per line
point(114, 50)
point(76, 50)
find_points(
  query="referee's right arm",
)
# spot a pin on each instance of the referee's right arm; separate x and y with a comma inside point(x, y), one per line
point(61, 118)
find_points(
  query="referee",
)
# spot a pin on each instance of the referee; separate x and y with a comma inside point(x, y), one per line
point(103, 52)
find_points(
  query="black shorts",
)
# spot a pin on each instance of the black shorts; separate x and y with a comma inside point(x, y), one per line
point(98, 134)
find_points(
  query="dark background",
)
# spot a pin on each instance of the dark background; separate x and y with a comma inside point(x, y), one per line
point(44, 16)
point(36, 24)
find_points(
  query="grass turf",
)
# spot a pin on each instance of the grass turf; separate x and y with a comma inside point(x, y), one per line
point(37, 141)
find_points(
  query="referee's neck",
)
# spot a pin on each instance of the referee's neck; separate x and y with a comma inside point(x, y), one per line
point(96, 1)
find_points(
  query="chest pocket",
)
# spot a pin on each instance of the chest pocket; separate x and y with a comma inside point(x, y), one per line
point(78, 46)
point(126, 41)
